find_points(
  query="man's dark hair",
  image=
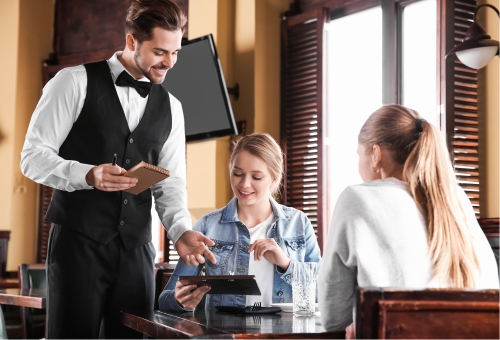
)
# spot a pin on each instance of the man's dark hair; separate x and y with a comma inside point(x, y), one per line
point(145, 15)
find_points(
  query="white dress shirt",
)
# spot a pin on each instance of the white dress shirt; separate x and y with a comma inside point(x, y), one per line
point(59, 108)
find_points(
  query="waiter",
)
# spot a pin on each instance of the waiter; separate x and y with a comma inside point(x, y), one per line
point(100, 256)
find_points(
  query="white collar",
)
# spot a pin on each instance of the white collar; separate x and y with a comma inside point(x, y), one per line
point(117, 67)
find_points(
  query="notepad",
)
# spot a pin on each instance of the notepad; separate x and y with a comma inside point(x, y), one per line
point(147, 174)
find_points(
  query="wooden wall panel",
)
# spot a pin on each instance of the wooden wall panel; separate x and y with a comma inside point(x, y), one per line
point(90, 26)
point(91, 30)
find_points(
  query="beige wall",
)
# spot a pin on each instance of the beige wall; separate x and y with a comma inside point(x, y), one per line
point(27, 27)
point(207, 177)
point(267, 66)
point(489, 113)
point(257, 63)
point(244, 61)
point(9, 22)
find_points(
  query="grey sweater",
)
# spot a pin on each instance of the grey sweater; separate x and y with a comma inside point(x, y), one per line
point(378, 238)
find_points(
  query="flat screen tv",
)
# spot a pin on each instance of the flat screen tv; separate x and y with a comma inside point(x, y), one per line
point(198, 83)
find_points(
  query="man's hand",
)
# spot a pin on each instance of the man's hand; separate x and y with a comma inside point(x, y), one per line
point(106, 177)
point(191, 248)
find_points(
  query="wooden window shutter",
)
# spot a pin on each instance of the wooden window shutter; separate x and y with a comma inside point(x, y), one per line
point(461, 106)
point(170, 255)
point(301, 119)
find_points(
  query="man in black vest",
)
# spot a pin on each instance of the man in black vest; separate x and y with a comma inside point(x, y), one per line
point(100, 256)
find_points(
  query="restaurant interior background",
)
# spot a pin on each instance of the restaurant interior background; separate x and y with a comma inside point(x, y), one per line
point(247, 36)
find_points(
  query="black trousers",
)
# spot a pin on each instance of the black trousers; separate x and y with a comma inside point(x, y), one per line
point(90, 283)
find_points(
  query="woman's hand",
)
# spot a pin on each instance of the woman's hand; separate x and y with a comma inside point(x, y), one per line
point(271, 252)
point(187, 297)
point(349, 332)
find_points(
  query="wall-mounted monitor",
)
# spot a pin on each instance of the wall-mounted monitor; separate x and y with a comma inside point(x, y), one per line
point(198, 83)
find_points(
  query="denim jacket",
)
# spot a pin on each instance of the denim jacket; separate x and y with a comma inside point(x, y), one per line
point(291, 229)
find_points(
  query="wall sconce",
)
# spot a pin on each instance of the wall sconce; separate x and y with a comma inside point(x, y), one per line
point(477, 48)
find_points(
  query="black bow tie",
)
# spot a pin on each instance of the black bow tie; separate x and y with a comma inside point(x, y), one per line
point(142, 87)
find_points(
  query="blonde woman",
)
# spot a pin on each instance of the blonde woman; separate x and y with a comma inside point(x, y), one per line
point(409, 225)
point(253, 234)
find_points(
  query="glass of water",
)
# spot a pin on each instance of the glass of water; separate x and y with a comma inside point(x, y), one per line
point(304, 278)
point(304, 324)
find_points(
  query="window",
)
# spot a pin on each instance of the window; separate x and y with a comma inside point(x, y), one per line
point(333, 55)
point(353, 90)
point(354, 79)
point(419, 59)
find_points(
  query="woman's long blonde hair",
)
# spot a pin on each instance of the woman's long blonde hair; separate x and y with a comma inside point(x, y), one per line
point(419, 146)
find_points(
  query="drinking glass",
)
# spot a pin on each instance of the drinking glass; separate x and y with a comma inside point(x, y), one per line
point(304, 287)
point(304, 324)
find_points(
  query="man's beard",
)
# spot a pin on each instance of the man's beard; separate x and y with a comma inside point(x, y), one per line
point(147, 73)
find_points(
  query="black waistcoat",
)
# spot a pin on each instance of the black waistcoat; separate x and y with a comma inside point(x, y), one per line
point(100, 131)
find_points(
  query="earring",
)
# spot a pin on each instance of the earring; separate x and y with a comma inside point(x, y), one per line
point(376, 170)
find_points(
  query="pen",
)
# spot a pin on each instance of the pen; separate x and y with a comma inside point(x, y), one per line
point(114, 159)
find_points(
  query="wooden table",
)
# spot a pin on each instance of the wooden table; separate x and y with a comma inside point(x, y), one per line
point(228, 326)
point(33, 298)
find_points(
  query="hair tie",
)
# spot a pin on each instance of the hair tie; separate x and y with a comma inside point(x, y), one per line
point(419, 125)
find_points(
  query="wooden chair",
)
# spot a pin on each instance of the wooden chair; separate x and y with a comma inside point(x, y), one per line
point(4, 246)
point(164, 271)
point(33, 320)
point(491, 228)
point(8, 278)
point(424, 314)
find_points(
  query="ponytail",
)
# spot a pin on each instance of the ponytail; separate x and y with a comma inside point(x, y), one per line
point(433, 185)
point(420, 148)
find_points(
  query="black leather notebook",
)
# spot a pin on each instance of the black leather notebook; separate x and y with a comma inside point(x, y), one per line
point(224, 284)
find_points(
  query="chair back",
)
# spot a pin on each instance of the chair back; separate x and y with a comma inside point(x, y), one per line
point(164, 271)
point(427, 314)
point(32, 275)
point(4, 245)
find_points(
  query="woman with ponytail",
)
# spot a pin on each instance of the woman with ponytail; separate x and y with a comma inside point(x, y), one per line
point(409, 225)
